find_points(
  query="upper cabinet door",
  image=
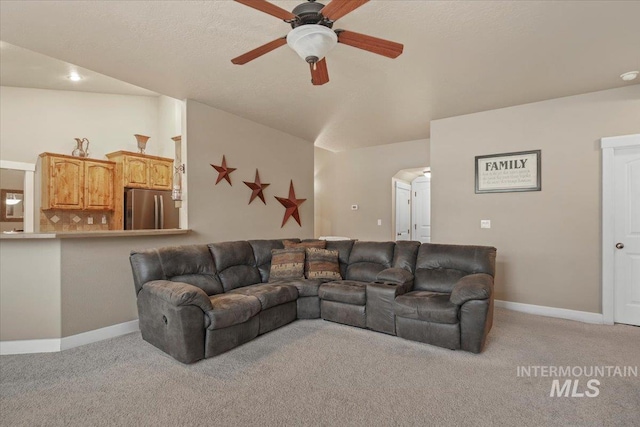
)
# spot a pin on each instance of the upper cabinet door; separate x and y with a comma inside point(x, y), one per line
point(161, 175)
point(66, 177)
point(136, 172)
point(98, 189)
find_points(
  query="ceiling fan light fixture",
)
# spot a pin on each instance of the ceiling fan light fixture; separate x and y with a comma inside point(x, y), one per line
point(312, 41)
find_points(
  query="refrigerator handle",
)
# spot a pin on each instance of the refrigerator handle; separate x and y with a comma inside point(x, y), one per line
point(155, 211)
point(161, 211)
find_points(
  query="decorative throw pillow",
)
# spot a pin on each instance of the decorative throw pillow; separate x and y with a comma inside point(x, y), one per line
point(287, 264)
point(320, 244)
point(322, 264)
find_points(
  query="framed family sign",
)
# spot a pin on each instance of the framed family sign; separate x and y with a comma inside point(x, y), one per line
point(507, 172)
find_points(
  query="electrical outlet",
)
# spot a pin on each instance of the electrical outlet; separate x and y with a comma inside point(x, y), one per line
point(90, 220)
point(354, 207)
point(104, 219)
point(485, 223)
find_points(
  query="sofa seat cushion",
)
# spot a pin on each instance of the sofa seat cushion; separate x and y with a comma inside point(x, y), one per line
point(232, 309)
point(429, 306)
point(270, 294)
point(305, 287)
point(345, 291)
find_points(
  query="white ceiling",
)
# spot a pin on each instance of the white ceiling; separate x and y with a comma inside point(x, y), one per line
point(24, 68)
point(460, 57)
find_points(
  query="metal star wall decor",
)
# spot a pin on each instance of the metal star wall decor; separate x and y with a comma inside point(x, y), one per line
point(257, 188)
point(291, 204)
point(224, 172)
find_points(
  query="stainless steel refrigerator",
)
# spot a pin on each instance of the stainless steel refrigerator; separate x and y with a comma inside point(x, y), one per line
point(149, 210)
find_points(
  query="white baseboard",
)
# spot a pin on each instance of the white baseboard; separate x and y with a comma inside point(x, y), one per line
point(58, 344)
point(561, 313)
point(50, 345)
point(99, 334)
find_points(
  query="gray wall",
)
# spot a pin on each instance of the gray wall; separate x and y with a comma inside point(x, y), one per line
point(221, 212)
point(549, 241)
point(29, 289)
point(363, 177)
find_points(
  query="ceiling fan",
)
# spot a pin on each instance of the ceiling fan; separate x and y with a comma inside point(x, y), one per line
point(312, 36)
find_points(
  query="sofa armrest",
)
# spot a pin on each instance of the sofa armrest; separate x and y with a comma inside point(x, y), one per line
point(179, 294)
point(472, 287)
point(395, 276)
point(379, 306)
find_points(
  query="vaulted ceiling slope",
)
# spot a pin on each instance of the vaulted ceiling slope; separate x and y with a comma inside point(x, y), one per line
point(459, 57)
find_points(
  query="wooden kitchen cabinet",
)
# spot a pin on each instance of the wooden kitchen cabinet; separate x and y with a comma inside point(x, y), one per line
point(161, 174)
point(143, 171)
point(76, 183)
point(136, 170)
point(98, 187)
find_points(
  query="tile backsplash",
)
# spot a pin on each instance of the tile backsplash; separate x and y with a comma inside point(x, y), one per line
point(66, 220)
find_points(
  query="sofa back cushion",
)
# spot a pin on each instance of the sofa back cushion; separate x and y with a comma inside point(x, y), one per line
point(367, 259)
point(190, 264)
point(145, 265)
point(309, 243)
point(235, 263)
point(262, 253)
point(404, 255)
point(344, 250)
point(439, 267)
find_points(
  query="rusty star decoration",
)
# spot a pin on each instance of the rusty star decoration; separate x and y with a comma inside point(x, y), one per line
point(291, 204)
point(223, 171)
point(257, 188)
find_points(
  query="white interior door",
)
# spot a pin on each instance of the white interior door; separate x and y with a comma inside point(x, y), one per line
point(421, 203)
point(627, 236)
point(403, 211)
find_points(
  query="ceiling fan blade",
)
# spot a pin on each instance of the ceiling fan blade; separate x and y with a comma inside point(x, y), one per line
point(259, 51)
point(338, 8)
point(270, 8)
point(319, 73)
point(372, 44)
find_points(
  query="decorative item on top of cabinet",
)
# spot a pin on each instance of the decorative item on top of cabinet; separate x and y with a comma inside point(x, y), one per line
point(142, 142)
point(76, 183)
point(81, 150)
point(135, 170)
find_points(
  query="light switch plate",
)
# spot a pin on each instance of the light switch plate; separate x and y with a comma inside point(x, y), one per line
point(90, 220)
point(485, 223)
point(379, 222)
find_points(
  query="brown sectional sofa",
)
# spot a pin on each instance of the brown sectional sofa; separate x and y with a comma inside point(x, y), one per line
point(198, 301)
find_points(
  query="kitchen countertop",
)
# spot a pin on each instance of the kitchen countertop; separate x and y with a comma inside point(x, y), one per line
point(91, 234)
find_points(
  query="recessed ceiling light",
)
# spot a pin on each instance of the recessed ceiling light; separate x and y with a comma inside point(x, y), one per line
point(630, 75)
point(74, 77)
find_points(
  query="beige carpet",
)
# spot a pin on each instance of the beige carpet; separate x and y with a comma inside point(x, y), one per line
point(315, 372)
